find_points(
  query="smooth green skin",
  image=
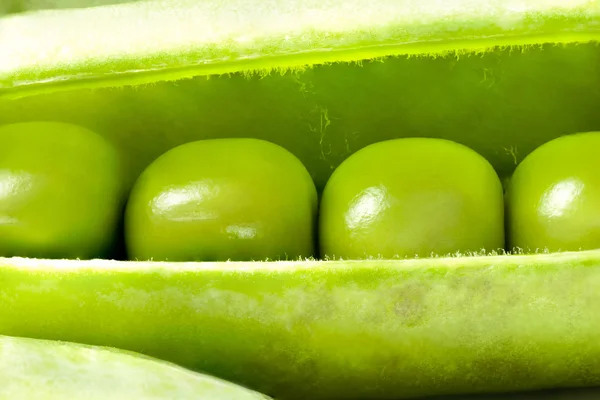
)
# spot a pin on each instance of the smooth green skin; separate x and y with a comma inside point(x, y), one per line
point(214, 200)
point(330, 330)
point(49, 370)
point(61, 192)
point(411, 197)
point(553, 199)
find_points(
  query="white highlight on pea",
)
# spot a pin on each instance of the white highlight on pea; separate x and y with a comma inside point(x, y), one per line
point(367, 206)
point(560, 197)
point(185, 203)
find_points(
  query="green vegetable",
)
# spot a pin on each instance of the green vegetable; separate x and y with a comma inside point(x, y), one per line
point(341, 329)
point(61, 192)
point(238, 199)
point(41, 369)
point(224, 36)
point(323, 79)
point(553, 199)
point(410, 197)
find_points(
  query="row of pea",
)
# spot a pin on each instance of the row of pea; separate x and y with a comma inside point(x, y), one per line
point(62, 196)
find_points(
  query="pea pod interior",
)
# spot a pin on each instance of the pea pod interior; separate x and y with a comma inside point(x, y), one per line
point(324, 80)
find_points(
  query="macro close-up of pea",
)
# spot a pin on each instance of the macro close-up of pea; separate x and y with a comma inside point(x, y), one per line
point(299, 200)
point(61, 192)
point(224, 199)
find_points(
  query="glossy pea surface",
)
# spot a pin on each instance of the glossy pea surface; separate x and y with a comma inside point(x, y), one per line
point(60, 192)
point(553, 199)
point(411, 197)
point(223, 199)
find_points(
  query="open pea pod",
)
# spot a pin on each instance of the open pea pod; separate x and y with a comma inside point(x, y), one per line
point(322, 79)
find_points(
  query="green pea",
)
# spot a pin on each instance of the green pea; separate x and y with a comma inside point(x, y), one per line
point(238, 199)
point(412, 197)
point(60, 191)
point(553, 198)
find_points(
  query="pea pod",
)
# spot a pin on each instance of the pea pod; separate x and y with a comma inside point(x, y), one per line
point(236, 35)
point(42, 369)
point(321, 330)
point(323, 80)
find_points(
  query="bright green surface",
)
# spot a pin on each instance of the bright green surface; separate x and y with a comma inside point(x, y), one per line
point(40, 369)
point(407, 197)
point(348, 330)
point(311, 330)
point(61, 192)
point(553, 198)
point(214, 200)
point(139, 42)
point(502, 104)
